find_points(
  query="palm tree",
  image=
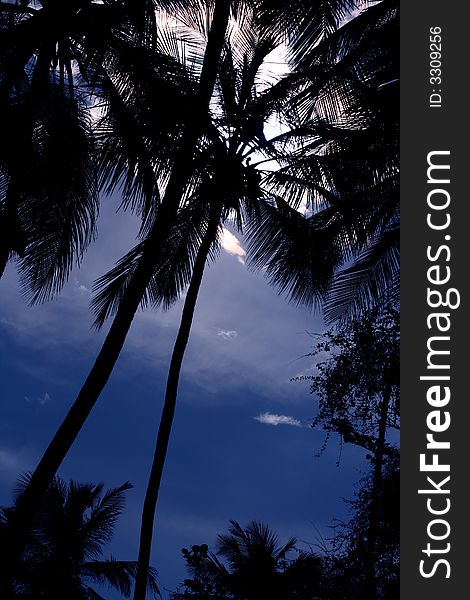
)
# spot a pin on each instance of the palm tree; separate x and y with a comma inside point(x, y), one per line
point(51, 53)
point(354, 92)
point(158, 232)
point(252, 566)
point(256, 561)
point(137, 278)
point(62, 558)
point(299, 253)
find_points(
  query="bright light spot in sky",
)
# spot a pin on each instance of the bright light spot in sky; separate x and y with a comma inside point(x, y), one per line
point(231, 244)
point(273, 419)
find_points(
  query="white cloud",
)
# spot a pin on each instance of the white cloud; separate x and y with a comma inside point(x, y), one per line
point(41, 400)
point(83, 289)
point(273, 419)
point(231, 244)
point(227, 334)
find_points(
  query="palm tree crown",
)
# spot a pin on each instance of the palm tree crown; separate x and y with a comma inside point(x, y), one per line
point(250, 564)
point(51, 54)
point(63, 556)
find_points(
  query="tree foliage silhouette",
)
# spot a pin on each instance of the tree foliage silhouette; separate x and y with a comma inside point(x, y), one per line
point(357, 387)
point(298, 252)
point(51, 56)
point(250, 564)
point(349, 548)
point(62, 558)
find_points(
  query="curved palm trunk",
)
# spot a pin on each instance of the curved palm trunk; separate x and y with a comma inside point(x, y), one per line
point(166, 422)
point(109, 353)
point(372, 534)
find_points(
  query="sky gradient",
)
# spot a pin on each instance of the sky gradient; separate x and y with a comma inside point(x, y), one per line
point(241, 446)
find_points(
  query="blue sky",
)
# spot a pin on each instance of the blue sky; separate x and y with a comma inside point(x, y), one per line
point(223, 463)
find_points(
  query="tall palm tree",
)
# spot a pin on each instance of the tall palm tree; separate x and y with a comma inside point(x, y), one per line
point(55, 60)
point(160, 229)
point(158, 233)
point(62, 558)
point(299, 253)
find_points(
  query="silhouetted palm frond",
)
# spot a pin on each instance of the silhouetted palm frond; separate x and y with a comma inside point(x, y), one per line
point(253, 542)
point(372, 279)
point(62, 556)
point(50, 57)
point(55, 193)
point(171, 274)
point(306, 22)
point(117, 574)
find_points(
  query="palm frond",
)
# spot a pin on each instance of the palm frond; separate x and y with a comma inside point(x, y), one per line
point(56, 195)
point(298, 254)
point(119, 575)
point(361, 56)
point(356, 40)
point(172, 272)
point(373, 278)
point(98, 527)
point(110, 287)
point(254, 543)
point(305, 22)
point(138, 142)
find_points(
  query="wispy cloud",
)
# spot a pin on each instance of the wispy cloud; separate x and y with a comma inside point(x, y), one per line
point(13, 462)
point(268, 418)
point(232, 245)
point(41, 400)
point(226, 334)
point(81, 288)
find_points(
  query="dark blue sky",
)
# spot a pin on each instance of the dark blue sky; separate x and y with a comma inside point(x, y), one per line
point(223, 463)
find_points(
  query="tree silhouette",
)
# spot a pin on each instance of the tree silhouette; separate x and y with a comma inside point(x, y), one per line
point(62, 558)
point(348, 554)
point(155, 276)
point(298, 253)
point(51, 53)
point(357, 387)
point(252, 566)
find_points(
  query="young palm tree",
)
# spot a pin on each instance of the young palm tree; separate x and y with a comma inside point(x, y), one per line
point(252, 566)
point(62, 558)
point(253, 555)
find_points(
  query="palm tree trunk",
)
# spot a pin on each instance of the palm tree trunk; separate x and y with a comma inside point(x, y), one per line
point(109, 353)
point(70, 427)
point(166, 422)
point(372, 534)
